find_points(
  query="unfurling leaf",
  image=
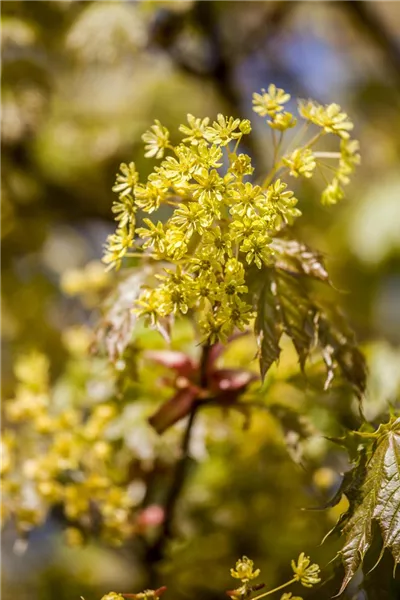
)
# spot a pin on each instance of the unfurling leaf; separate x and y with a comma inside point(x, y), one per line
point(115, 329)
point(378, 500)
point(297, 258)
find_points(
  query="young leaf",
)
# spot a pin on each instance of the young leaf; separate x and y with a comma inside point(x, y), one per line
point(115, 329)
point(379, 500)
point(297, 258)
point(338, 347)
point(268, 326)
point(175, 409)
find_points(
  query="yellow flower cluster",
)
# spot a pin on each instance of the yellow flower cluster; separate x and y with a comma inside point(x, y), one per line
point(306, 574)
point(66, 459)
point(220, 222)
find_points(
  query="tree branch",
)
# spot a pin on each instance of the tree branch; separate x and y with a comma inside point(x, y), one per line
point(373, 26)
point(156, 552)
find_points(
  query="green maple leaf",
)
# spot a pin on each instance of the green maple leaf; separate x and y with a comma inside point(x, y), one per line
point(284, 304)
point(378, 500)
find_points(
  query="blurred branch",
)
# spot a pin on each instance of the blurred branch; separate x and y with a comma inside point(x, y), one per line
point(273, 21)
point(361, 12)
point(264, 35)
point(220, 69)
point(156, 552)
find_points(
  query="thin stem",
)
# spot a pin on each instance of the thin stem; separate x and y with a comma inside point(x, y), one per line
point(314, 140)
point(280, 140)
point(329, 167)
point(157, 550)
point(297, 137)
point(275, 589)
point(323, 174)
point(275, 144)
point(271, 174)
point(327, 154)
point(237, 145)
point(140, 255)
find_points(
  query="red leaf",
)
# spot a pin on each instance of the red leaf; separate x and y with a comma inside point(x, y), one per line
point(178, 361)
point(231, 380)
point(175, 409)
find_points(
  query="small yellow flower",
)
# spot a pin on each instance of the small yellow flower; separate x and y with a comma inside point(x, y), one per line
point(214, 329)
point(245, 199)
point(156, 140)
point(257, 249)
point(177, 170)
point(245, 126)
point(217, 244)
point(208, 157)
point(244, 570)
point(332, 193)
point(209, 186)
point(154, 236)
point(191, 217)
point(196, 130)
point(300, 162)
point(349, 159)
point(177, 242)
point(329, 117)
point(149, 197)
point(271, 102)
point(238, 314)
point(117, 246)
point(148, 306)
point(223, 130)
point(307, 574)
point(283, 202)
point(240, 165)
point(126, 180)
point(282, 121)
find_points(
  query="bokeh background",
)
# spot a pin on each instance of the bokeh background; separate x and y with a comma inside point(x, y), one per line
point(81, 82)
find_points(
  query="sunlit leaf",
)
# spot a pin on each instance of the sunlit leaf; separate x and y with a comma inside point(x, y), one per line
point(297, 313)
point(338, 347)
point(284, 304)
point(378, 499)
point(297, 258)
